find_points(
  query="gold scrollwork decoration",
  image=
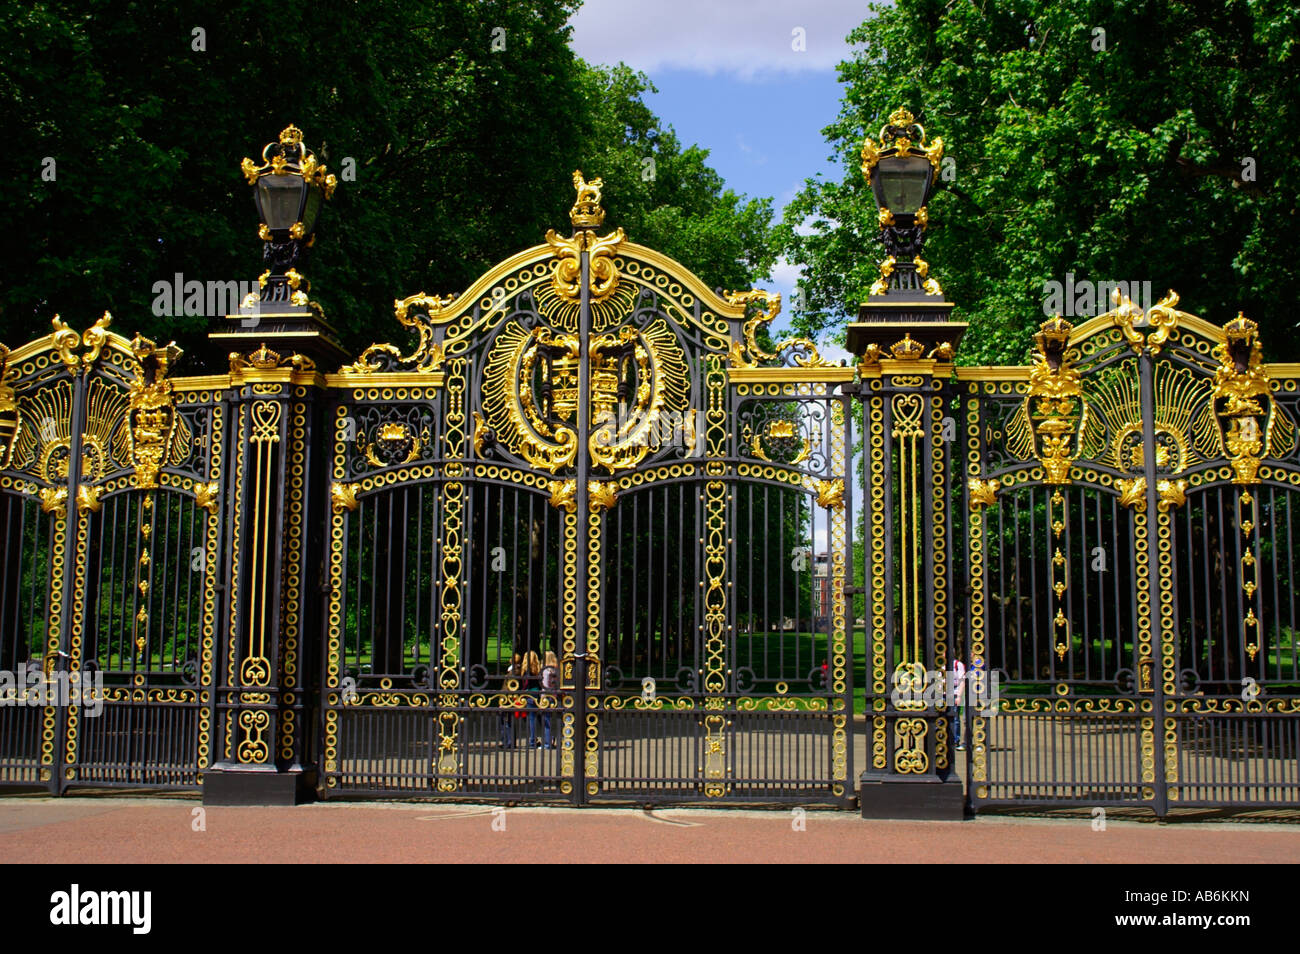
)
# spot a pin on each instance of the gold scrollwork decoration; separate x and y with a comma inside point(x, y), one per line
point(983, 493)
point(343, 496)
point(1160, 321)
point(253, 747)
point(602, 494)
point(564, 495)
point(1132, 491)
point(1169, 493)
point(802, 352)
point(830, 493)
point(910, 757)
point(67, 343)
point(419, 312)
point(255, 671)
point(53, 498)
point(205, 496)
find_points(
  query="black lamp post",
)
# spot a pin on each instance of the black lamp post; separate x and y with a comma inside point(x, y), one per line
point(906, 344)
point(902, 172)
point(905, 312)
point(288, 188)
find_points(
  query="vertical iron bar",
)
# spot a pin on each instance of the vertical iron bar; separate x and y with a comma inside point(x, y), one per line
point(1146, 366)
point(582, 498)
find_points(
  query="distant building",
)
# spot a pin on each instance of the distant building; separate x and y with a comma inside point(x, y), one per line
point(821, 592)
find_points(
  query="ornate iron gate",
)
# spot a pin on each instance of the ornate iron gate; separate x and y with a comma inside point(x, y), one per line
point(1130, 557)
point(277, 579)
point(589, 454)
point(108, 485)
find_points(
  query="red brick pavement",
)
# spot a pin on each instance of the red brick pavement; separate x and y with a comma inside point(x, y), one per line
point(134, 830)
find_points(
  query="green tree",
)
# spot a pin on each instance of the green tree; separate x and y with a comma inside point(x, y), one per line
point(462, 152)
point(1129, 140)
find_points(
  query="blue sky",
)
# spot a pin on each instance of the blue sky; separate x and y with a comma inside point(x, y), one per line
point(763, 134)
point(731, 79)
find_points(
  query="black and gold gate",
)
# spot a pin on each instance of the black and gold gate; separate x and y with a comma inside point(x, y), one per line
point(109, 475)
point(1132, 553)
point(590, 458)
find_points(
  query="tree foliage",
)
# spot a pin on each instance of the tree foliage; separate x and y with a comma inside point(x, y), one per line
point(1108, 139)
point(463, 153)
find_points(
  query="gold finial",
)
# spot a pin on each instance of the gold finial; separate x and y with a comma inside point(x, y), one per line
point(291, 135)
point(586, 212)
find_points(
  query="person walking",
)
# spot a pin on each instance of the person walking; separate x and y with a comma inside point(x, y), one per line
point(505, 720)
point(550, 692)
point(957, 702)
point(531, 685)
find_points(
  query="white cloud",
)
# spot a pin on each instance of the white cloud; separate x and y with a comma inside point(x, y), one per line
point(809, 226)
point(743, 37)
point(785, 275)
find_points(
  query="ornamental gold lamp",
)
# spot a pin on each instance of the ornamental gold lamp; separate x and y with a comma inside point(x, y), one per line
point(905, 305)
point(288, 188)
point(289, 185)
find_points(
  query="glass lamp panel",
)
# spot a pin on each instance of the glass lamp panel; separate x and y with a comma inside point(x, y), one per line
point(903, 182)
point(279, 199)
point(310, 210)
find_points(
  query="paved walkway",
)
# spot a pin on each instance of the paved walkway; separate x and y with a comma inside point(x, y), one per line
point(125, 829)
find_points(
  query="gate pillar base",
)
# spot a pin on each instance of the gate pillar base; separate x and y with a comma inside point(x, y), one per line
point(911, 797)
point(247, 785)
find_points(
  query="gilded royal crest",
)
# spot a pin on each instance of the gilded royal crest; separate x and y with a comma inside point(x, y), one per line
point(639, 396)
